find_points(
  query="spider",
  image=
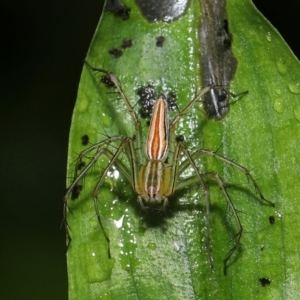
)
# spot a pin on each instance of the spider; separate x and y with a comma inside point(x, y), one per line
point(157, 175)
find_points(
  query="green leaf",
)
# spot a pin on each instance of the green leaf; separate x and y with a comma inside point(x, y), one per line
point(169, 257)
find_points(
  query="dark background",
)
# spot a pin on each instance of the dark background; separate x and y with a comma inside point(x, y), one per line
point(43, 44)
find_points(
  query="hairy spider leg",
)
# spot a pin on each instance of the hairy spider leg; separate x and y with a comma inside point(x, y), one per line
point(155, 174)
point(126, 142)
point(194, 179)
point(113, 157)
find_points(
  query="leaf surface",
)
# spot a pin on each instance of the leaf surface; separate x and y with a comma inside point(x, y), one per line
point(167, 256)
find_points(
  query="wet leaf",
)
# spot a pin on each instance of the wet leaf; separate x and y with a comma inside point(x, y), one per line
point(168, 256)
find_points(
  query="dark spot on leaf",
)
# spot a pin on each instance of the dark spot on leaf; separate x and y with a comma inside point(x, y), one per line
point(118, 8)
point(160, 41)
point(171, 100)
point(115, 52)
point(180, 138)
point(264, 281)
point(85, 140)
point(126, 44)
point(107, 81)
point(76, 191)
point(147, 100)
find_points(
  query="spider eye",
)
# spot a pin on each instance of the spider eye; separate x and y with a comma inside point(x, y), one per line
point(152, 191)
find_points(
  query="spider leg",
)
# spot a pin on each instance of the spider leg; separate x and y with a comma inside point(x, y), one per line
point(114, 160)
point(177, 170)
point(130, 108)
point(190, 161)
point(237, 166)
point(238, 236)
point(99, 150)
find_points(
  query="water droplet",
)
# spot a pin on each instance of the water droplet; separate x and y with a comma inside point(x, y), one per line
point(297, 113)
point(281, 65)
point(116, 174)
point(279, 105)
point(151, 246)
point(269, 38)
point(294, 87)
point(106, 121)
point(119, 223)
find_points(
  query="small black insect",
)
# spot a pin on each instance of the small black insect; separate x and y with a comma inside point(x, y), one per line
point(126, 44)
point(272, 220)
point(118, 8)
point(171, 100)
point(179, 138)
point(107, 81)
point(85, 140)
point(115, 52)
point(148, 98)
point(160, 41)
point(264, 281)
point(76, 191)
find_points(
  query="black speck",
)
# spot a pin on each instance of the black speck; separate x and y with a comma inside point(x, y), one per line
point(272, 220)
point(264, 281)
point(115, 52)
point(180, 138)
point(80, 165)
point(146, 92)
point(85, 140)
point(118, 8)
point(126, 44)
point(171, 100)
point(76, 191)
point(160, 41)
point(107, 81)
point(124, 13)
point(147, 100)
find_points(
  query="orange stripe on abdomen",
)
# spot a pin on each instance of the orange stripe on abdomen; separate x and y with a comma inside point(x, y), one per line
point(157, 141)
